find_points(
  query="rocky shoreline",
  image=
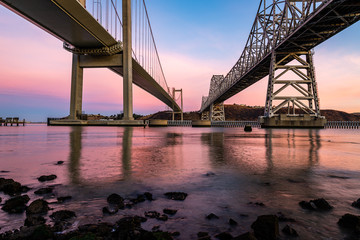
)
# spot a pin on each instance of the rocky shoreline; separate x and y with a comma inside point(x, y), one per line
point(61, 224)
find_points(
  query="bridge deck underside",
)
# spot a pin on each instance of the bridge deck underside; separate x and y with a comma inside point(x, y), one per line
point(326, 22)
point(68, 21)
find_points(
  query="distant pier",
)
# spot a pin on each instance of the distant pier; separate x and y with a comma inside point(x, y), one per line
point(11, 121)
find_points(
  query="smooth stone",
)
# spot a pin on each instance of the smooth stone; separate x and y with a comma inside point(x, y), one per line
point(116, 199)
point(170, 211)
point(152, 214)
point(34, 221)
point(44, 191)
point(38, 206)
point(290, 231)
point(63, 199)
point(179, 196)
point(62, 215)
point(44, 178)
point(16, 204)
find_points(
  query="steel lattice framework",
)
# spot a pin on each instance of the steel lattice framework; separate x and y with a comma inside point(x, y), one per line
point(285, 26)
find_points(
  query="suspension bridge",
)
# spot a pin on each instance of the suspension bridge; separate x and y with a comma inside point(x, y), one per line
point(113, 34)
point(281, 45)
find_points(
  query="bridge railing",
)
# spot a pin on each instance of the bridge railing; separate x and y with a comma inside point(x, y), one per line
point(343, 124)
point(233, 124)
point(109, 14)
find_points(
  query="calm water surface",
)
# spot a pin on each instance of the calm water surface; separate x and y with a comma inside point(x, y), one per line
point(276, 167)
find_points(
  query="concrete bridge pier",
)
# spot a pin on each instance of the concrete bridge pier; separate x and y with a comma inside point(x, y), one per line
point(76, 88)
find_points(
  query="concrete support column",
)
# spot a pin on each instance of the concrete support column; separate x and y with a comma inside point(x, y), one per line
point(127, 60)
point(76, 88)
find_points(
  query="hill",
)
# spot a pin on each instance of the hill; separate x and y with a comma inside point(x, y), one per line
point(242, 112)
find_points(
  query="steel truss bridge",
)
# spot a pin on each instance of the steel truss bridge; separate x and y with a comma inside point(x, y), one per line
point(114, 34)
point(280, 44)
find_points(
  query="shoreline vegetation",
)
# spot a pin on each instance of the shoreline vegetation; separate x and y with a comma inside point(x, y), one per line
point(233, 112)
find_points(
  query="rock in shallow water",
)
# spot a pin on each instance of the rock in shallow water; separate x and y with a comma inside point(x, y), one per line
point(62, 215)
point(170, 211)
point(266, 227)
point(350, 221)
point(42, 191)
point(180, 196)
point(38, 206)
point(116, 199)
point(16, 204)
point(289, 231)
point(44, 178)
point(245, 236)
point(319, 204)
point(356, 203)
point(224, 236)
point(63, 199)
point(34, 221)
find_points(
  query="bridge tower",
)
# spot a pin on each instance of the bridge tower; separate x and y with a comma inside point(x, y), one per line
point(217, 112)
point(292, 98)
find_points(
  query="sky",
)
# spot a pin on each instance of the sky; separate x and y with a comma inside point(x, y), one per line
point(195, 40)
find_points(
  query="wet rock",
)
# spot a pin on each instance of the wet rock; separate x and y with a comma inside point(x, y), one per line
point(266, 227)
point(63, 199)
point(16, 204)
point(45, 178)
point(283, 218)
point(42, 232)
point(109, 210)
point(140, 198)
point(247, 128)
point(350, 221)
point(101, 229)
point(0, 199)
point(162, 235)
point(260, 204)
point(356, 203)
point(338, 177)
point(175, 234)
point(317, 204)
point(209, 174)
point(203, 236)
point(290, 231)
point(5, 181)
point(10, 187)
point(155, 228)
point(59, 162)
point(179, 196)
point(62, 215)
point(245, 236)
point(224, 236)
point(34, 221)
point(152, 214)
point(170, 211)
point(38, 206)
point(212, 216)
point(42, 191)
point(116, 199)
point(130, 228)
point(232, 222)
point(148, 196)
point(163, 217)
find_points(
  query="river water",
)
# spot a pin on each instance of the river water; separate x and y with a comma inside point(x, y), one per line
point(222, 170)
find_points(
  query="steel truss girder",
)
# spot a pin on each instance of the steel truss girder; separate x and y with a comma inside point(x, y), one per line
point(217, 112)
point(284, 25)
point(305, 85)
